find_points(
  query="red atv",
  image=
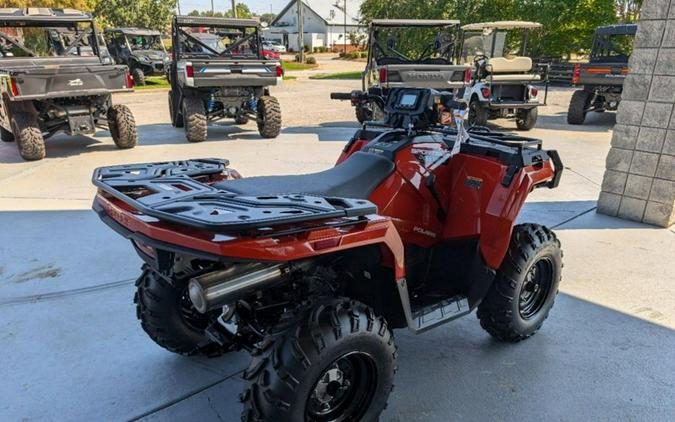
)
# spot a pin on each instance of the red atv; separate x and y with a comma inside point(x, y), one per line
point(310, 273)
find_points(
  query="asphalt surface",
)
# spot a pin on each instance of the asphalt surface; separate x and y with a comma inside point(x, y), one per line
point(73, 349)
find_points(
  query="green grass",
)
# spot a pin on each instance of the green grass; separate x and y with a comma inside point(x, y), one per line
point(290, 78)
point(154, 82)
point(340, 75)
point(296, 66)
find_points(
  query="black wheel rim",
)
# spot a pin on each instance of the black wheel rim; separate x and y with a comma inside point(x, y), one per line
point(344, 390)
point(473, 112)
point(536, 288)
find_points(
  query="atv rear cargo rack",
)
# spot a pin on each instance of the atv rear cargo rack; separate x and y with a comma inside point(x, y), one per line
point(171, 192)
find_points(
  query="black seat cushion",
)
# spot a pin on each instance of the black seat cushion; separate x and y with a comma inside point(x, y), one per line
point(355, 178)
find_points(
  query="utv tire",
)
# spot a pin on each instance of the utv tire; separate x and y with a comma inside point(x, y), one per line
point(6, 135)
point(337, 357)
point(525, 286)
point(176, 119)
point(122, 126)
point(168, 317)
point(478, 116)
point(28, 136)
point(576, 113)
point(138, 76)
point(194, 119)
point(526, 119)
point(269, 117)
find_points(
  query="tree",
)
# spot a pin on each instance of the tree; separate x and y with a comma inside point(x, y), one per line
point(628, 10)
point(84, 5)
point(153, 14)
point(242, 11)
point(267, 17)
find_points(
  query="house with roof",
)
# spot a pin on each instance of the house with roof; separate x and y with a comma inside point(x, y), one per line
point(324, 23)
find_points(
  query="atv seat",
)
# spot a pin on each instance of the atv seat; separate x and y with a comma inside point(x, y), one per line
point(515, 69)
point(354, 178)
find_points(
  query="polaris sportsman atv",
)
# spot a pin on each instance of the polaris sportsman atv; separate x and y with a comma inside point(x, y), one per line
point(414, 227)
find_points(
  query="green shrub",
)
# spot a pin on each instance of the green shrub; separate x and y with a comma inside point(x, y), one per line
point(343, 54)
point(311, 60)
point(364, 54)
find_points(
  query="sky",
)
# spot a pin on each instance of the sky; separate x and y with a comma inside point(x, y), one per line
point(258, 6)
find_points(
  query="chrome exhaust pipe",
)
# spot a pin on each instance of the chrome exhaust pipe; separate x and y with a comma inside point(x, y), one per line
point(218, 288)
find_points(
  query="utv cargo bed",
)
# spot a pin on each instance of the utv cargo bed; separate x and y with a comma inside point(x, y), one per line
point(171, 191)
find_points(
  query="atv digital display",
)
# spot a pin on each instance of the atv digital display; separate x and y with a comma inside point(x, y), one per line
point(408, 100)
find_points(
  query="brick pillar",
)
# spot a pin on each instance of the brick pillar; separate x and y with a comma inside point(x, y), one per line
point(639, 182)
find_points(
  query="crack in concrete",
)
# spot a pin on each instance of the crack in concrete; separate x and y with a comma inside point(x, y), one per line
point(583, 176)
point(574, 217)
point(64, 293)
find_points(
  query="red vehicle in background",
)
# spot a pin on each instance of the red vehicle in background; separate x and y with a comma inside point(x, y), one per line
point(414, 227)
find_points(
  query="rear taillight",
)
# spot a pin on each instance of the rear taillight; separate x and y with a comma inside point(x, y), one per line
point(533, 92)
point(130, 81)
point(189, 71)
point(15, 88)
point(280, 71)
point(576, 75)
point(383, 75)
point(485, 92)
point(467, 76)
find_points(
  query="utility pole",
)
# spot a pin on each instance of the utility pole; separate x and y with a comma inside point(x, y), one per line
point(301, 31)
point(178, 5)
point(234, 8)
point(345, 13)
point(213, 11)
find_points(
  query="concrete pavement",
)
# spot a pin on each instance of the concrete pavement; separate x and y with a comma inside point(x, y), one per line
point(73, 349)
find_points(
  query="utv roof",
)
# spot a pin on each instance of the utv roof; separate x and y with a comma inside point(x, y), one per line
point(412, 22)
point(625, 29)
point(10, 15)
point(134, 31)
point(210, 21)
point(501, 25)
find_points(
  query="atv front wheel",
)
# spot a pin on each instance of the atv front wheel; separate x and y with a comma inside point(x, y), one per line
point(166, 313)
point(269, 117)
point(6, 135)
point(194, 119)
point(478, 116)
point(525, 286)
point(122, 126)
point(28, 136)
point(576, 113)
point(526, 119)
point(138, 76)
point(335, 363)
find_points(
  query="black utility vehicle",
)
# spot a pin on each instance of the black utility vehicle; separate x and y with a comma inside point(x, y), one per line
point(219, 71)
point(140, 49)
point(49, 85)
point(603, 76)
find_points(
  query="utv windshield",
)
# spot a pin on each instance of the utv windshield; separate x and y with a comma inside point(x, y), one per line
point(220, 41)
point(493, 43)
point(424, 45)
point(72, 40)
point(612, 47)
point(145, 42)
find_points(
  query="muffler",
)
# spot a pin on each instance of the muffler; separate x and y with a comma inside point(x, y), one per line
point(218, 288)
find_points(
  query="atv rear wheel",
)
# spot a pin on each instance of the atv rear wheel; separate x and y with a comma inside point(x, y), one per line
point(28, 136)
point(525, 286)
point(176, 118)
point(269, 117)
point(194, 119)
point(526, 119)
point(166, 313)
point(6, 135)
point(335, 362)
point(478, 116)
point(576, 113)
point(122, 126)
point(138, 76)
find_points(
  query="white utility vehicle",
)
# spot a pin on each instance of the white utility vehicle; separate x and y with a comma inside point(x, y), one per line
point(502, 83)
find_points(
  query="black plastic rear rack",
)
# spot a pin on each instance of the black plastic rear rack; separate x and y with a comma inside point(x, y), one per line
point(171, 192)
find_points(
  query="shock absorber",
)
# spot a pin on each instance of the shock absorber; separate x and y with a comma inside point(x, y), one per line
point(253, 104)
point(211, 103)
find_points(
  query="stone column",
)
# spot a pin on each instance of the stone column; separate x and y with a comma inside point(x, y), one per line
point(639, 182)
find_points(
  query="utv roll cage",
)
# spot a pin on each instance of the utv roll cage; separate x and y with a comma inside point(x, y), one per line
point(197, 22)
point(603, 45)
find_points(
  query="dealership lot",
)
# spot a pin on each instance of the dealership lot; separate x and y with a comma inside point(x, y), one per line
point(73, 349)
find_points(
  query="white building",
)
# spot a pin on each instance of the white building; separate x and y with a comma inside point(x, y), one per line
point(324, 23)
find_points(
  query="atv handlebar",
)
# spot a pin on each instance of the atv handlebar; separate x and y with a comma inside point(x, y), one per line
point(344, 96)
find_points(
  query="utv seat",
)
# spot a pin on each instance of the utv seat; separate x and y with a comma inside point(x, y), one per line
point(355, 178)
point(515, 69)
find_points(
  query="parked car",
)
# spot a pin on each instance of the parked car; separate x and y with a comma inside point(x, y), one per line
point(220, 72)
point(603, 76)
point(274, 45)
point(54, 83)
point(503, 77)
point(140, 49)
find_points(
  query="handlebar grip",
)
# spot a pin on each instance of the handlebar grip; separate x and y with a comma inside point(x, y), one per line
point(340, 96)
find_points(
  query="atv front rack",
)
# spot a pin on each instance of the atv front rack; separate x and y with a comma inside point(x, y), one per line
point(178, 192)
